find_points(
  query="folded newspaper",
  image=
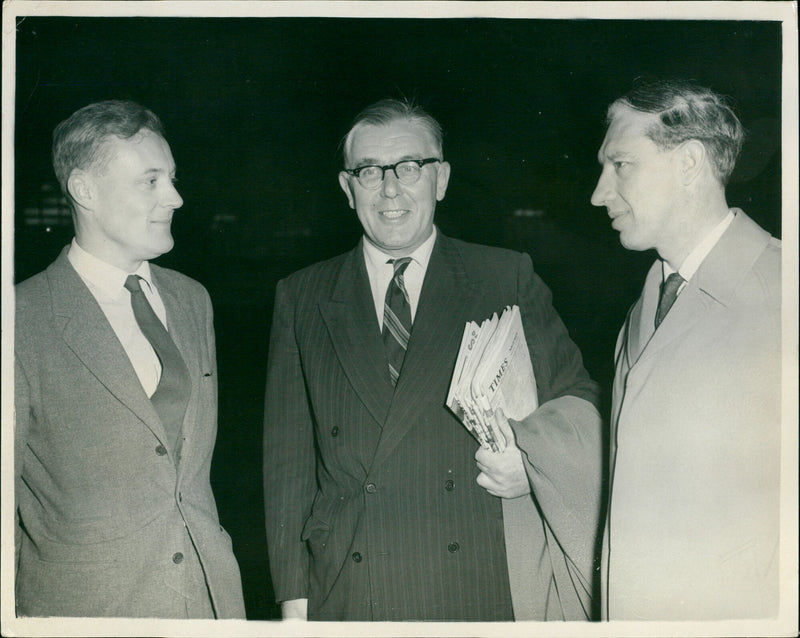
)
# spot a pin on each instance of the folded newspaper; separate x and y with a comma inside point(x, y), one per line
point(493, 370)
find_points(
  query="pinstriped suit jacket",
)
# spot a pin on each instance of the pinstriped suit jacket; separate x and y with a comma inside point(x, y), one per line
point(106, 518)
point(372, 509)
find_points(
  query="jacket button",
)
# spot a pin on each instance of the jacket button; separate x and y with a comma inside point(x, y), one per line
point(335, 430)
point(177, 558)
point(449, 486)
point(371, 488)
point(453, 548)
point(356, 557)
point(161, 450)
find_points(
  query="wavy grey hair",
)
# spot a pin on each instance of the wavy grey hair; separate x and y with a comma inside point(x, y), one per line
point(389, 110)
point(687, 111)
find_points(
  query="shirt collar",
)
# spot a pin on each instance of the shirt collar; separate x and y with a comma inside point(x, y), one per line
point(421, 256)
point(692, 262)
point(107, 278)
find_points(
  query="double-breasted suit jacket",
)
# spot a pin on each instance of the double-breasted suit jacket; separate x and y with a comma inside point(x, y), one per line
point(109, 523)
point(692, 530)
point(372, 509)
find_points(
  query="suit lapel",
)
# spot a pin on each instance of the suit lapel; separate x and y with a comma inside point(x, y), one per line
point(713, 284)
point(88, 334)
point(642, 315)
point(446, 299)
point(689, 308)
point(353, 329)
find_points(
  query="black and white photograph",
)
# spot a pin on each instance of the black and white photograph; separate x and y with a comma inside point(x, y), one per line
point(399, 318)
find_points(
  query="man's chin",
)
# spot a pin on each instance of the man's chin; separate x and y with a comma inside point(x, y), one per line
point(630, 243)
point(162, 248)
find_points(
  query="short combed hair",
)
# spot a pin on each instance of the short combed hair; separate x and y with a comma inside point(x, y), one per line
point(687, 111)
point(389, 110)
point(79, 141)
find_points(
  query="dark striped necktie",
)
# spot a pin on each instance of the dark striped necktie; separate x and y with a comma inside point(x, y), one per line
point(396, 319)
point(172, 394)
point(669, 293)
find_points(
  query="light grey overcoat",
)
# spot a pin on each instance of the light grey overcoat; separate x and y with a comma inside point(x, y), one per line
point(693, 517)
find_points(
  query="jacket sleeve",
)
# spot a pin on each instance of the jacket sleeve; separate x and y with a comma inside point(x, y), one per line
point(562, 454)
point(561, 444)
point(22, 418)
point(557, 362)
point(289, 460)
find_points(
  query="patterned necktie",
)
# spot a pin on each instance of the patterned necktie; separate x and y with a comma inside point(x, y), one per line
point(396, 319)
point(669, 292)
point(172, 394)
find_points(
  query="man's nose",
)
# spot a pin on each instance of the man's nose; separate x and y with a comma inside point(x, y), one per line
point(602, 192)
point(389, 186)
point(172, 198)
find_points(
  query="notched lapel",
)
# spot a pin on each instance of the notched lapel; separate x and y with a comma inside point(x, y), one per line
point(353, 330)
point(642, 315)
point(688, 309)
point(88, 334)
point(447, 298)
point(714, 284)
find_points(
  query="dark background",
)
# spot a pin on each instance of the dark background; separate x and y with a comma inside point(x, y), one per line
point(255, 109)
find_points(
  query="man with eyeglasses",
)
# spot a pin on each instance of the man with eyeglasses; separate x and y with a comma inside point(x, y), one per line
point(373, 505)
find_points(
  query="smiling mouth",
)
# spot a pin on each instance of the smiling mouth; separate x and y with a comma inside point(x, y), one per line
point(394, 214)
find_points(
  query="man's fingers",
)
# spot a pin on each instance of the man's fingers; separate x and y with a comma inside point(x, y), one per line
point(505, 428)
point(490, 485)
point(483, 455)
point(486, 482)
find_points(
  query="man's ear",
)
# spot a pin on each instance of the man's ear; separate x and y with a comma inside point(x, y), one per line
point(692, 157)
point(344, 182)
point(81, 188)
point(442, 178)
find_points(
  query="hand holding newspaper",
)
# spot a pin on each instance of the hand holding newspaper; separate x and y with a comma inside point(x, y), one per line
point(493, 370)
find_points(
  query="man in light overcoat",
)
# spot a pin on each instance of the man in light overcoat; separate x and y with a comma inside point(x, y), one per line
point(693, 517)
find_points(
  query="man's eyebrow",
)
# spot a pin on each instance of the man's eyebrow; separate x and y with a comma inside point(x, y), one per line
point(369, 161)
point(613, 155)
point(158, 171)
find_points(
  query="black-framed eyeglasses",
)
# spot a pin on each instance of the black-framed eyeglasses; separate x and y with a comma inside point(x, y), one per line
point(407, 172)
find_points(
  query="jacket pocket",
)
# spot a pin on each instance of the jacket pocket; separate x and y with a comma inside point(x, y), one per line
point(319, 524)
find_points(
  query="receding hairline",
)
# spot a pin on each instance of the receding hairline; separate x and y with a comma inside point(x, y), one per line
point(416, 121)
point(108, 150)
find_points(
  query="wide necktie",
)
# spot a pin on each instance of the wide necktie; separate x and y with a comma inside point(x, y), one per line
point(172, 394)
point(396, 319)
point(669, 292)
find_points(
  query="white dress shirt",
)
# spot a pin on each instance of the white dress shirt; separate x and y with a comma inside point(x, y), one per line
point(107, 285)
point(692, 262)
point(380, 273)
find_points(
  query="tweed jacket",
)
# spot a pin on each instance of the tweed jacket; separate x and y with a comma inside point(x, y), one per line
point(108, 522)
